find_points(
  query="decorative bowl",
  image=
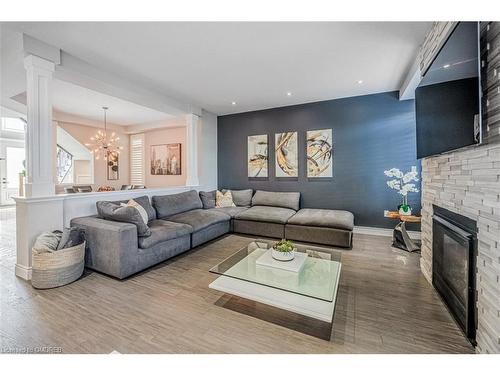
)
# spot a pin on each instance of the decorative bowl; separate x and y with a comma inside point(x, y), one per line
point(283, 256)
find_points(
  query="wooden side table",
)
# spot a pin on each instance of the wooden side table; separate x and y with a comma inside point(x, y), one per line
point(401, 238)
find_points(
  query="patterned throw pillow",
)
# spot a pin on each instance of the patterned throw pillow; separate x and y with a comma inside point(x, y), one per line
point(224, 199)
point(125, 214)
point(138, 207)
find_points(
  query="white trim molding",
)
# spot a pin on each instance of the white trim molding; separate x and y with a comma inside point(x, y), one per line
point(386, 232)
point(23, 272)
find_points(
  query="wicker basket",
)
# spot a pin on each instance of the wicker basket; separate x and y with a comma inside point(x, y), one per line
point(57, 268)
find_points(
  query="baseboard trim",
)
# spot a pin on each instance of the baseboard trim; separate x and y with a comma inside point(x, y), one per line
point(23, 272)
point(383, 232)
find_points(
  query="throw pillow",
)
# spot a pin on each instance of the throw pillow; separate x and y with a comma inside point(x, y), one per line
point(208, 198)
point(143, 201)
point(124, 214)
point(71, 237)
point(47, 242)
point(224, 199)
point(138, 207)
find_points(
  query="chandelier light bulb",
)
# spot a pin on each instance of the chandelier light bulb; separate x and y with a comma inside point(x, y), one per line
point(103, 145)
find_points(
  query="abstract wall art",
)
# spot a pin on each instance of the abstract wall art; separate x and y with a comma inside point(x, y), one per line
point(286, 154)
point(257, 155)
point(319, 153)
point(166, 159)
point(113, 166)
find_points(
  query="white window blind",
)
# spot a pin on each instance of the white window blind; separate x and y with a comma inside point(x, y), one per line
point(137, 167)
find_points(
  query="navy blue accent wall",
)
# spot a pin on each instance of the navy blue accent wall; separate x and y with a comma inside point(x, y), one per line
point(371, 133)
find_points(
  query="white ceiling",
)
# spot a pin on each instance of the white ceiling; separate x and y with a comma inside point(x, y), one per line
point(255, 64)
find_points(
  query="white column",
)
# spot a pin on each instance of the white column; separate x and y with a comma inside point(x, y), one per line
point(192, 124)
point(39, 132)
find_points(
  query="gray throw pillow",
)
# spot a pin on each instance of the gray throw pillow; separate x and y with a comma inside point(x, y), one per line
point(208, 198)
point(71, 237)
point(124, 214)
point(47, 241)
point(143, 201)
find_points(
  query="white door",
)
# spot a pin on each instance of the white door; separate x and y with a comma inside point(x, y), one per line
point(11, 165)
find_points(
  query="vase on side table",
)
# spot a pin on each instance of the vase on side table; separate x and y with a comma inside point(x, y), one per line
point(404, 208)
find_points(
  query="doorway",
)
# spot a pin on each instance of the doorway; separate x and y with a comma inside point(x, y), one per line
point(12, 158)
point(11, 168)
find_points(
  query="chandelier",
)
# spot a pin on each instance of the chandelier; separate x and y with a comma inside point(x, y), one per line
point(102, 146)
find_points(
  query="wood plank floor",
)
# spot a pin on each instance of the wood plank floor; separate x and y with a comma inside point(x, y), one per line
point(385, 306)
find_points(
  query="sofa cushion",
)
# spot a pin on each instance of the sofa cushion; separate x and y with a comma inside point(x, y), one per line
point(143, 201)
point(168, 205)
point(241, 198)
point(162, 230)
point(208, 199)
point(124, 214)
point(200, 219)
point(266, 214)
point(315, 217)
point(276, 199)
point(231, 211)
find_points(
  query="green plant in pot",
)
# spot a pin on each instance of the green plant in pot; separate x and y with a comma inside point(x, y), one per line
point(284, 250)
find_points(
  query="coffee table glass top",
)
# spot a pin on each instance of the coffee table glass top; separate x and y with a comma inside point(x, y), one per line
point(318, 277)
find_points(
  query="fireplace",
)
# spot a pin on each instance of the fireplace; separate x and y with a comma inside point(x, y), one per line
point(454, 248)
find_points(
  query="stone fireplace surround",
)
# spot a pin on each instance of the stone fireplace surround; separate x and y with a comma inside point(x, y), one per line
point(467, 182)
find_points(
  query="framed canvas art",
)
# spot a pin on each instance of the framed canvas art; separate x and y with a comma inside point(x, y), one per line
point(286, 155)
point(113, 166)
point(166, 159)
point(319, 153)
point(257, 155)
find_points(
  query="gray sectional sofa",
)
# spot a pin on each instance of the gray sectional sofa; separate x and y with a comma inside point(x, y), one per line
point(179, 222)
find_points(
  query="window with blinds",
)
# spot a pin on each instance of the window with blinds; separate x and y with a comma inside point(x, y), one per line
point(137, 167)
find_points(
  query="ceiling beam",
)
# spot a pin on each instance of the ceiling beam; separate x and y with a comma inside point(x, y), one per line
point(72, 69)
point(79, 72)
point(411, 82)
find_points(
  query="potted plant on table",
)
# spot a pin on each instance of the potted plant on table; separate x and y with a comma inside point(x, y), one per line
point(284, 250)
point(402, 183)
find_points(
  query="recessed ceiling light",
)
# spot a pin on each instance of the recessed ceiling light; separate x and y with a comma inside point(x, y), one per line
point(289, 94)
point(446, 66)
point(233, 103)
point(360, 82)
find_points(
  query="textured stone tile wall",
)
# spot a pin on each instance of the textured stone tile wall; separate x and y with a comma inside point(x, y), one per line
point(467, 181)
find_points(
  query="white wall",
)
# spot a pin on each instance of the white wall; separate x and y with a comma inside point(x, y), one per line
point(207, 153)
point(161, 137)
point(82, 134)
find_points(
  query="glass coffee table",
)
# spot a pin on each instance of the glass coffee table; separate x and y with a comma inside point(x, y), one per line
point(311, 292)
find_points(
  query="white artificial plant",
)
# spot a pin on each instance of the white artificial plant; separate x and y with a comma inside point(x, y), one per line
point(402, 182)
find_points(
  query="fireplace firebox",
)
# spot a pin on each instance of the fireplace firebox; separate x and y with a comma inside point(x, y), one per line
point(454, 249)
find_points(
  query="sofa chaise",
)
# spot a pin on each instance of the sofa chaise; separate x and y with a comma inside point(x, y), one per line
point(179, 222)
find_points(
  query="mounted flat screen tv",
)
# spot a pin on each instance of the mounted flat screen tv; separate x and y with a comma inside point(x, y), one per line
point(448, 98)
